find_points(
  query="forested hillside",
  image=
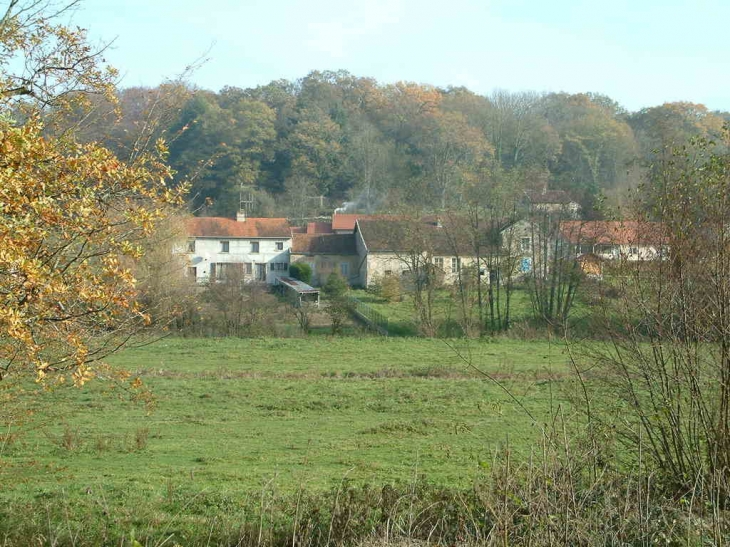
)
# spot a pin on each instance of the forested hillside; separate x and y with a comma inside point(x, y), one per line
point(306, 146)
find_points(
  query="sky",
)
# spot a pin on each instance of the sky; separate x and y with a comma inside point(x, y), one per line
point(640, 53)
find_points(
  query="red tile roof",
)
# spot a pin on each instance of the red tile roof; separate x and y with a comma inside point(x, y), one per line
point(620, 232)
point(346, 221)
point(227, 227)
point(319, 228)
point(325, 244)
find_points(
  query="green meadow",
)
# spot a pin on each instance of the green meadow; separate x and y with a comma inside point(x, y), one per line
point(233, 415)
point(403, 321)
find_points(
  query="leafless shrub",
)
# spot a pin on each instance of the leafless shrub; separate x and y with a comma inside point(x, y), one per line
point(663, 376)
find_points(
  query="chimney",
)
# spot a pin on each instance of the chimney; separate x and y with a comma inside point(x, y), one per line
point(241, 216)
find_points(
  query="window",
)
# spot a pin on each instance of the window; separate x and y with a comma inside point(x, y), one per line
point(225, 246)
point(279, 245)
point(345, 269)
point(455, 264)
point(633, 251)
point(279, 266)
point(327, 264)
point(192, 272)
point(254, 246)
point(224, 270)
point(191, 245)
point(439, 262)
point(248, 268)
point(388, 272)
point(525, 244)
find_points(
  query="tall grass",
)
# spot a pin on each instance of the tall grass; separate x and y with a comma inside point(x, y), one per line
point(566, 491)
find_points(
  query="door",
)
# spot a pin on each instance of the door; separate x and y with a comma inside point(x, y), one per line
point(260, 272)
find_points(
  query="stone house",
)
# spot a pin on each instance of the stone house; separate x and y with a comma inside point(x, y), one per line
point(403, 247)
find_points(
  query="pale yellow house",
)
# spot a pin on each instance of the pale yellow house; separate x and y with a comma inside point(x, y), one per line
point(406, 247)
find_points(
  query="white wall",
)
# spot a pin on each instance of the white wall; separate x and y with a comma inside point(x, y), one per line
point(631, 253)
point(208, 251)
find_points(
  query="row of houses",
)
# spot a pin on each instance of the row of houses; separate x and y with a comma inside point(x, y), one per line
point(364, 248)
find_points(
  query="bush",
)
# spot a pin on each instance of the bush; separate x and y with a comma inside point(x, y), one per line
point(390, 288)
point(301, 271)
point(662, 380)
point(232, 307)
point(335, 287)
point(374, 287)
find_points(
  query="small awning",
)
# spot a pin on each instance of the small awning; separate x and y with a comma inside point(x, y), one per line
point(296, 285)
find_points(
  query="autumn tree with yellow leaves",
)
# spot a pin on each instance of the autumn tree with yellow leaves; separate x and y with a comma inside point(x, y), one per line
point(72, 215)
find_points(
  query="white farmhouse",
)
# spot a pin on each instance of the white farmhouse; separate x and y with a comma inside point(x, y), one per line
point(257, 249)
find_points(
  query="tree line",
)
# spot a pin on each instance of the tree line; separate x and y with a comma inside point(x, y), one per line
point(305, 146)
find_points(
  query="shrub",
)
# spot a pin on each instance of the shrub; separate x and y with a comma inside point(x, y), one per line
point(232, 307)
point(662, 380)
point(301, 271)
point(374, 287)
point(335, 287)
point(390, 288)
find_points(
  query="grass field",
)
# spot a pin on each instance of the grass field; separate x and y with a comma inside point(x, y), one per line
point(232, 415)
point(402, 317)
point(324, 441)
